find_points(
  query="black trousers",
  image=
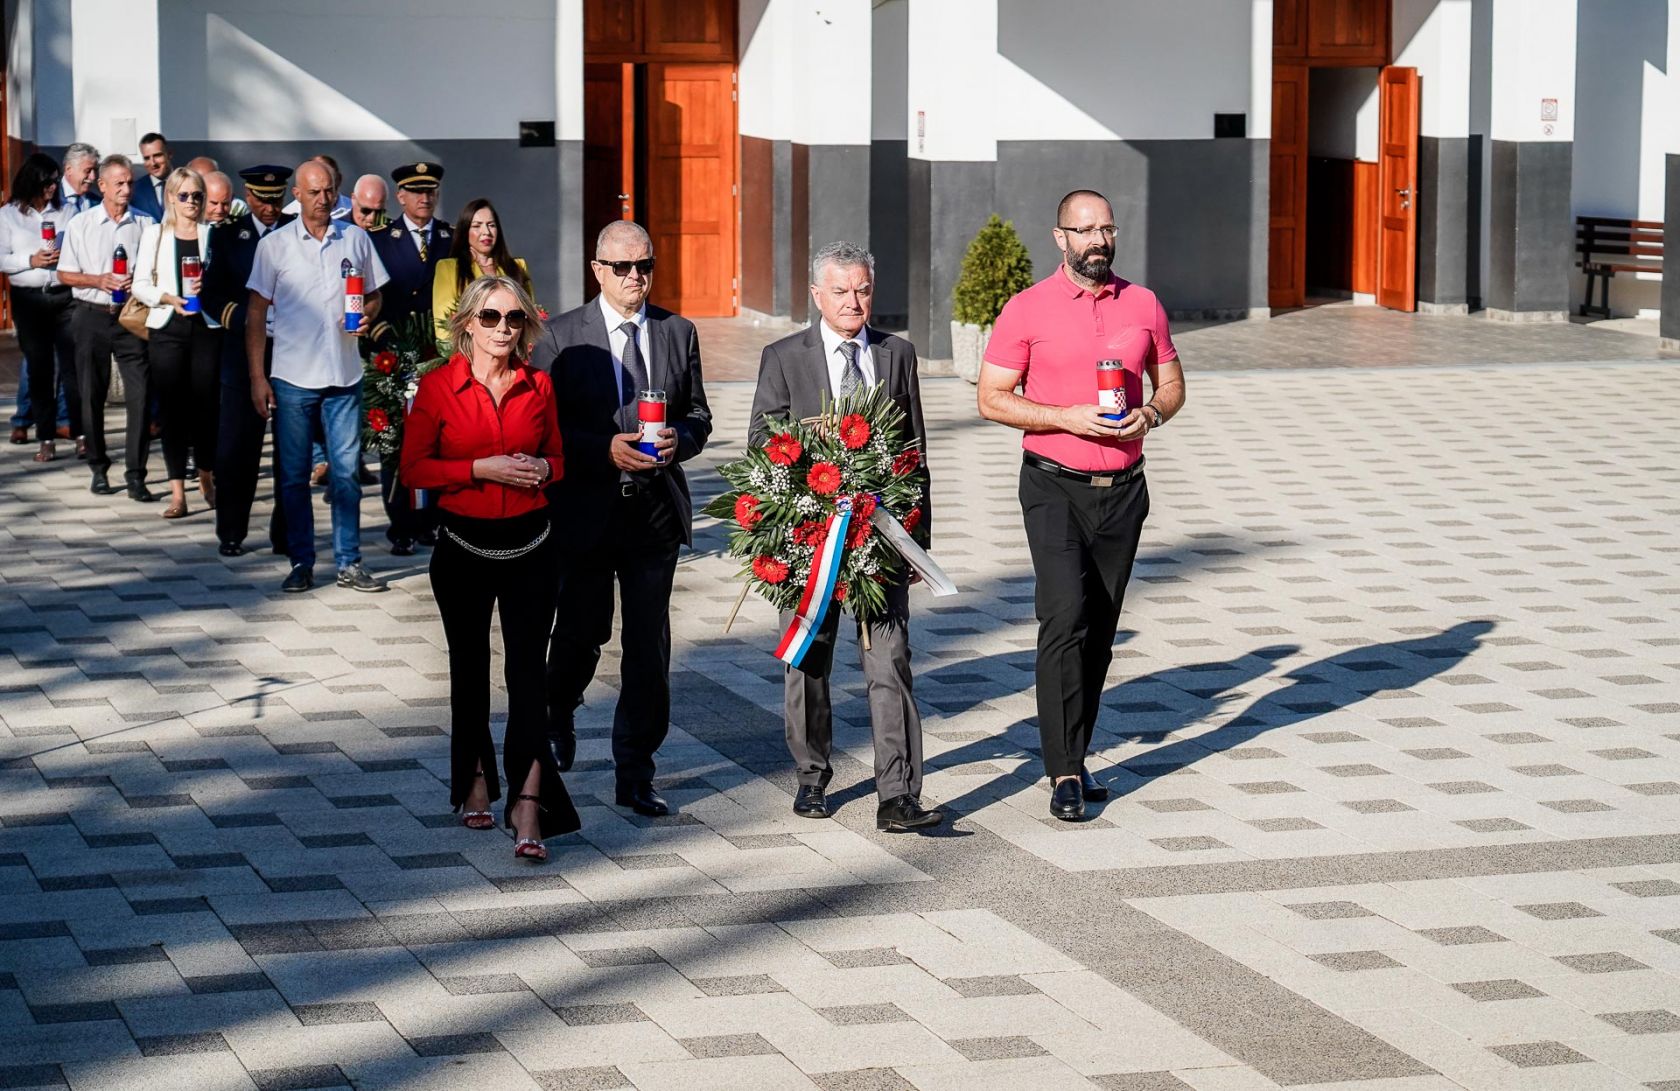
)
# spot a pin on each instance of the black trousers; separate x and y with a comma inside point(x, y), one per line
point(99, 337)
point(1083, 540)
point(469, 589)
point(187, 375)
point(239, 442)
point(405, 522)
point(42, 317)
point(639, 549)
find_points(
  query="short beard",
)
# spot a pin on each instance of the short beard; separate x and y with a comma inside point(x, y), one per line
point(1093, 265)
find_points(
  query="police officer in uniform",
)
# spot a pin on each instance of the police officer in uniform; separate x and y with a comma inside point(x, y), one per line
point(410, 246)
point(239, 440)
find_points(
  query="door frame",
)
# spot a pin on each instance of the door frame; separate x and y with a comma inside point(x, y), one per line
point(1397, 170)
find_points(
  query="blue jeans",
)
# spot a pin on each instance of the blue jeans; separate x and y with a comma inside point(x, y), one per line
point(25, 415)
point(334, 412)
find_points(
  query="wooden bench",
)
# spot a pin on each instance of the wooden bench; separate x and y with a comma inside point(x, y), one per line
point(1607, 246)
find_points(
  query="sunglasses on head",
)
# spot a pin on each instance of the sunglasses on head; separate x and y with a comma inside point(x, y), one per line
point(490, 319)
point(622, 268)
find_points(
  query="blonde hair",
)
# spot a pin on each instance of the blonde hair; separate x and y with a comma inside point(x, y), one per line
point(472, 301)
point(179, 177)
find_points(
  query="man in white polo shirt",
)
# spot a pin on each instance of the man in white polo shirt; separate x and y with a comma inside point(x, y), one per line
point(316, 382)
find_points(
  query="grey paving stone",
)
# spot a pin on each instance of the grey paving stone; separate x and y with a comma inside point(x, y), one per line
point(1452, 937)
point(1560, 911)
point(1352, 961)
point(865, 956)
point(32, 1075)
point(88, 1012)
point(356, 1011)
point(591, 1015)
point(1492, 825)
point(125, 956)
point(1188, 844)
point(299, 1077)
point(1325, 911)
point(453, 1045)
point(1503, 989)
point(581, 1079)
point(850, 1015)
point(862, 1079)
point(1285, 825)
point(228, 983)
point(1538, 1054)
point(620, 956)
point(168, 1045)
point(728, 1045)
point(1649, 888)
point(1602, 962)
point(1140, 1081)
point(1658, 1021)
point(997, 1048)
point(741, 985)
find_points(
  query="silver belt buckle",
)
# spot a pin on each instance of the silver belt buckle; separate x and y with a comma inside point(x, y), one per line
point(626, 489)
point(1104, 482)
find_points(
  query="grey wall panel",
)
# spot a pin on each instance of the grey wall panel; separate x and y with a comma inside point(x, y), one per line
point(781, 223)
point(576, 284)
point(1190, 213)
point(1444, 199)
point(1669, 326)
point(889, 230)
point(758, 198)
point(918, 234)
point(1531, 227)
point(949, 203)
point(799, 234)
point(498, 169)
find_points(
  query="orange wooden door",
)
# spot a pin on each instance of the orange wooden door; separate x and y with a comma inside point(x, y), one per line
point(690, 210)
point(1287, 247)
point(1397, 140)
point(1289, 29)
point(1349, 31)
point(609, 143)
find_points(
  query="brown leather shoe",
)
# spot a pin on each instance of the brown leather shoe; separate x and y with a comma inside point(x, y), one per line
point(20, 436)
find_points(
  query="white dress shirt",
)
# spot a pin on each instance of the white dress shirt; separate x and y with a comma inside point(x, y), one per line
point(72, 204)
point(302, 277)
point(89, 242)
point(616, 339)
point(836, 359)
point(20, 240)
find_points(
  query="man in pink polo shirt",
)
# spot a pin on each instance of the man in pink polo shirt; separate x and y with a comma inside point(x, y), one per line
point(1083, 496)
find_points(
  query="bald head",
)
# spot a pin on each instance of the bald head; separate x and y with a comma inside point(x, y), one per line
point(203, 164)
point(218, 196)
point(316, 194)
point(367, 202)
point(620, 234)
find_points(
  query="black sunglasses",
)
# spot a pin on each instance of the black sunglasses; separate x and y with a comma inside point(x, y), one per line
point(622, 268)
point(196, 197)
point(490, 319)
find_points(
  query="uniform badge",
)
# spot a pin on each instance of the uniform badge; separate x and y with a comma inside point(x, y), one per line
point(344, 268)
point(396, 232)
point(245, 233)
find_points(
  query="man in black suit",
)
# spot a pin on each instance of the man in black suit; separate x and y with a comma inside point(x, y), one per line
point(617, 512)
point(836, 356)
point(239, 439)
point(410, 248)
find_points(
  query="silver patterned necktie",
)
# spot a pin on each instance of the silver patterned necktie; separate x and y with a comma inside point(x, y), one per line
point(852, 376)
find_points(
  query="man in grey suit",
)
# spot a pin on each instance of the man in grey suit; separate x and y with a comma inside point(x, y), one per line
point(620, 515)
point(835, 356)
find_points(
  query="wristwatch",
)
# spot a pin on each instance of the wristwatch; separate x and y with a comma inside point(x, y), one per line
point(1159, 419)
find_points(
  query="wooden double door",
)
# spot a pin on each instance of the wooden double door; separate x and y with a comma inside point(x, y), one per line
point(660, 141)
point(1310, 34)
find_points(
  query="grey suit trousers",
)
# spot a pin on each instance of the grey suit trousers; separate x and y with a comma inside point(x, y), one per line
point(892, 709)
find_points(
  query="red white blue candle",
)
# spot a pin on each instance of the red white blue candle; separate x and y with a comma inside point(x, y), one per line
point(1111, 387)
point(353, 300)
point(650, 418)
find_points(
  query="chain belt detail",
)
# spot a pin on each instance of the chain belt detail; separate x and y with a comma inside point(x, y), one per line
point(499, 554)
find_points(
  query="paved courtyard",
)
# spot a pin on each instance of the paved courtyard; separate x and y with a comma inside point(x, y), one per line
point(1393, 732)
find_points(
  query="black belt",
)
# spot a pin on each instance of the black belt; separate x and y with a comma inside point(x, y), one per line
point(57, 289)
point(1101, 481)
point(103, 308)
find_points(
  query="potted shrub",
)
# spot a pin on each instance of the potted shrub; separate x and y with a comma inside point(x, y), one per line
point(996, 266)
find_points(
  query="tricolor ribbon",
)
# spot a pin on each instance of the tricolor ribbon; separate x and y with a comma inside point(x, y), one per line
point(819, 589)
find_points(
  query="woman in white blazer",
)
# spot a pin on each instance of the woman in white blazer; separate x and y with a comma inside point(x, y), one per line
point(185, 351)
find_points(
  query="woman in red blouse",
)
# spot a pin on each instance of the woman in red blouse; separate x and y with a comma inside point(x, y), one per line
point(483, 435)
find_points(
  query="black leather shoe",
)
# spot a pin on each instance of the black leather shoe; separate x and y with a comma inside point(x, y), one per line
point(302, 578)
point(140, 494)
point(367, 476)
point(905, 813)
point(562, 744)
point(231, 549)
point(642, 799)
point(1091, 788)
point(427, 538)
point(101, 483)
point(1066, 801)
point(811, 801)
point(402, 547)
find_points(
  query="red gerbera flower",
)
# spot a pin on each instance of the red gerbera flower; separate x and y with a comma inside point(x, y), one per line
point(378, 420)
point(385, 362)
point(824, 479)
point(863, 506)
point(840, 590)
point(746, 511)
point(811, 532)
point(914, 519)
point(906, 462)
point(858, 534)
point(854, 431)
point(783, 449)
point(769, 569)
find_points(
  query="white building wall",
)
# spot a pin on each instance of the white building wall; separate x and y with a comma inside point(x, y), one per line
point(114, 58)
point(952, 84)
point(1533, 63)
point(1433, 36)
point(789, 56)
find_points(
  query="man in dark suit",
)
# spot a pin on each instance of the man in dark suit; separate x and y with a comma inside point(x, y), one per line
point(617, 512)
point(410, 248)
point(240, 431)
point(836, 356)
point(148, 188)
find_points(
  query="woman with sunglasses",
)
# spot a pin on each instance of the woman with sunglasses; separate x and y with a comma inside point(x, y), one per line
point(40, 304)
point(479, 250)
point(185, 352)
point(483, 434)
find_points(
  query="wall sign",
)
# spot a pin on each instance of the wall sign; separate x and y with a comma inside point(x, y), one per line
point(1548, 109)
